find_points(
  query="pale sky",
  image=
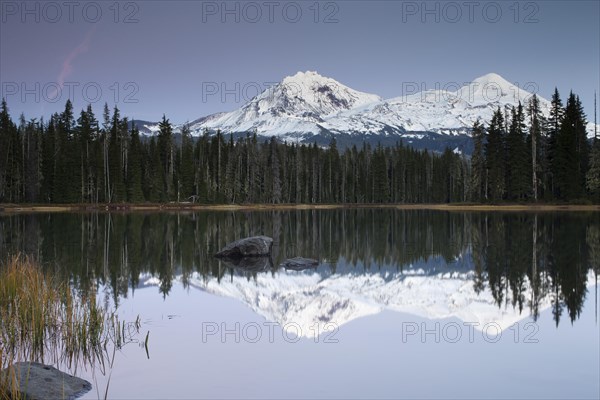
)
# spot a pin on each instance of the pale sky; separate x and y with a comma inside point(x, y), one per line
point(155, 57)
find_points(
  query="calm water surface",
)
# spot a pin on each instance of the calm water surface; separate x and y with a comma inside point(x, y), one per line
point(403, 304)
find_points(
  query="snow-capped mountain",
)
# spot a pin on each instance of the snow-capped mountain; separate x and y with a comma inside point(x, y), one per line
point(441, 111)
point(299, 105)
point(308, 107)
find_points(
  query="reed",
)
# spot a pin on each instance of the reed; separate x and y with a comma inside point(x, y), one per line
point(43, 320)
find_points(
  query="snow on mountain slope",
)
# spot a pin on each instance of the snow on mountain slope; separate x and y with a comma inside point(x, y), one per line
point(307, 106)
point(298, 104)
point(310, 299)
point(440, 111)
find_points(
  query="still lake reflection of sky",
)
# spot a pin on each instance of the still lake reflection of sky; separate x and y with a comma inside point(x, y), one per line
point(377, 356)
point(400, 286)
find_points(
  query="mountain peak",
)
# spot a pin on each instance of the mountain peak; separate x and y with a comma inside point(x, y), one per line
point(307, 78)
point(493, 90)
point(306, 74)
point(319, 94)
point(492, 78)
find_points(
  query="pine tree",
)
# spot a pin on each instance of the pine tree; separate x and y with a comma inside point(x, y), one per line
point(379, 177)
point(536, 124)
point(48, 160)
point(134, 167)
point(186, 169)
point(275, 173)
point(517, 168)
point(117, 192)
point(106, 128)
point(477, 183)
point(66, 174)
point(155, 189)
point(571, 152)
point(495, 157)
point(202, 168)
point(7, 137)
point(31, 154)
point(333, 172)
point(582, 145)
point(554, 123)
point(165, 147)
point(87, 132)
point(593, 174)
point(93, 158)
point(229, 181)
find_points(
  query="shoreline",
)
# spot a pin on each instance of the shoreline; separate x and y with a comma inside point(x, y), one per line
point(188, 207)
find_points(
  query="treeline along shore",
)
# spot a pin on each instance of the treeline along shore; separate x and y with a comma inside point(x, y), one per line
point(189, 207)
point(520, 156)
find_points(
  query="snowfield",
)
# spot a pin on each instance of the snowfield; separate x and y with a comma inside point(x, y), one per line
point(307, 104)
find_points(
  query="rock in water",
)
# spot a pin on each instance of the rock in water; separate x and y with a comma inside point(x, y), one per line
point(39, 382)
point(248, 264)
point(247, 247)
point(299, 263)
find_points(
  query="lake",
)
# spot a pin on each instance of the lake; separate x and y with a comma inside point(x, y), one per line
point(403, 303)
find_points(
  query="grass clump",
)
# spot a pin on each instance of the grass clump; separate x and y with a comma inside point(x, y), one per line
point(42, 319)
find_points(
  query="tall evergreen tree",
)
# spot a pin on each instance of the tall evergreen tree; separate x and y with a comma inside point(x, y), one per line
point(275, 173)
point(48, 161)
point(593, 174)
point(379, 177)
point(66, 170)
point(517, 168)
point(495, 159)
point(477, 184)
point(554, 122)
point(571, 152)
point(166, 150)
point(117, 192)
point(87, 132)
point(106, 128)
point(156, 178)
point(31, 152)
point(333, 172)
point(582, 145)
point(8, 137)
point(538, 148)
point(134, 167)
point(186, 169)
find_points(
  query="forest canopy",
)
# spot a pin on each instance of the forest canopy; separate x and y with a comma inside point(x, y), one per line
point(519, 156)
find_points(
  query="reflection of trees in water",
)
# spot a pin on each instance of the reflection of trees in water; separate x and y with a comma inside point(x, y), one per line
point(522, 258)
point(549, 253)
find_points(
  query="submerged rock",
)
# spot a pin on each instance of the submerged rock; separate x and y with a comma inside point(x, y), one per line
point(247, 247)
point(248, 264)
point(38, 382)
point(299, 263)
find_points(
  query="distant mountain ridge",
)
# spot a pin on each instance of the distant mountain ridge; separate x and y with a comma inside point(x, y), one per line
point(308, 108)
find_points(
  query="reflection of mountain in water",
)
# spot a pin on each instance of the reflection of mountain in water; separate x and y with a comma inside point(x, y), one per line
point(316, 299)
point(475, 266)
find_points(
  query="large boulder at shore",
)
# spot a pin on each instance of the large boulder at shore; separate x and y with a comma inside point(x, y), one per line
point(37, 381)
point(254, 246)
point(299, 263)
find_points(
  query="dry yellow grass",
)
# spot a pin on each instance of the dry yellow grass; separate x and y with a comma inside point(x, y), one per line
point(44, 320)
